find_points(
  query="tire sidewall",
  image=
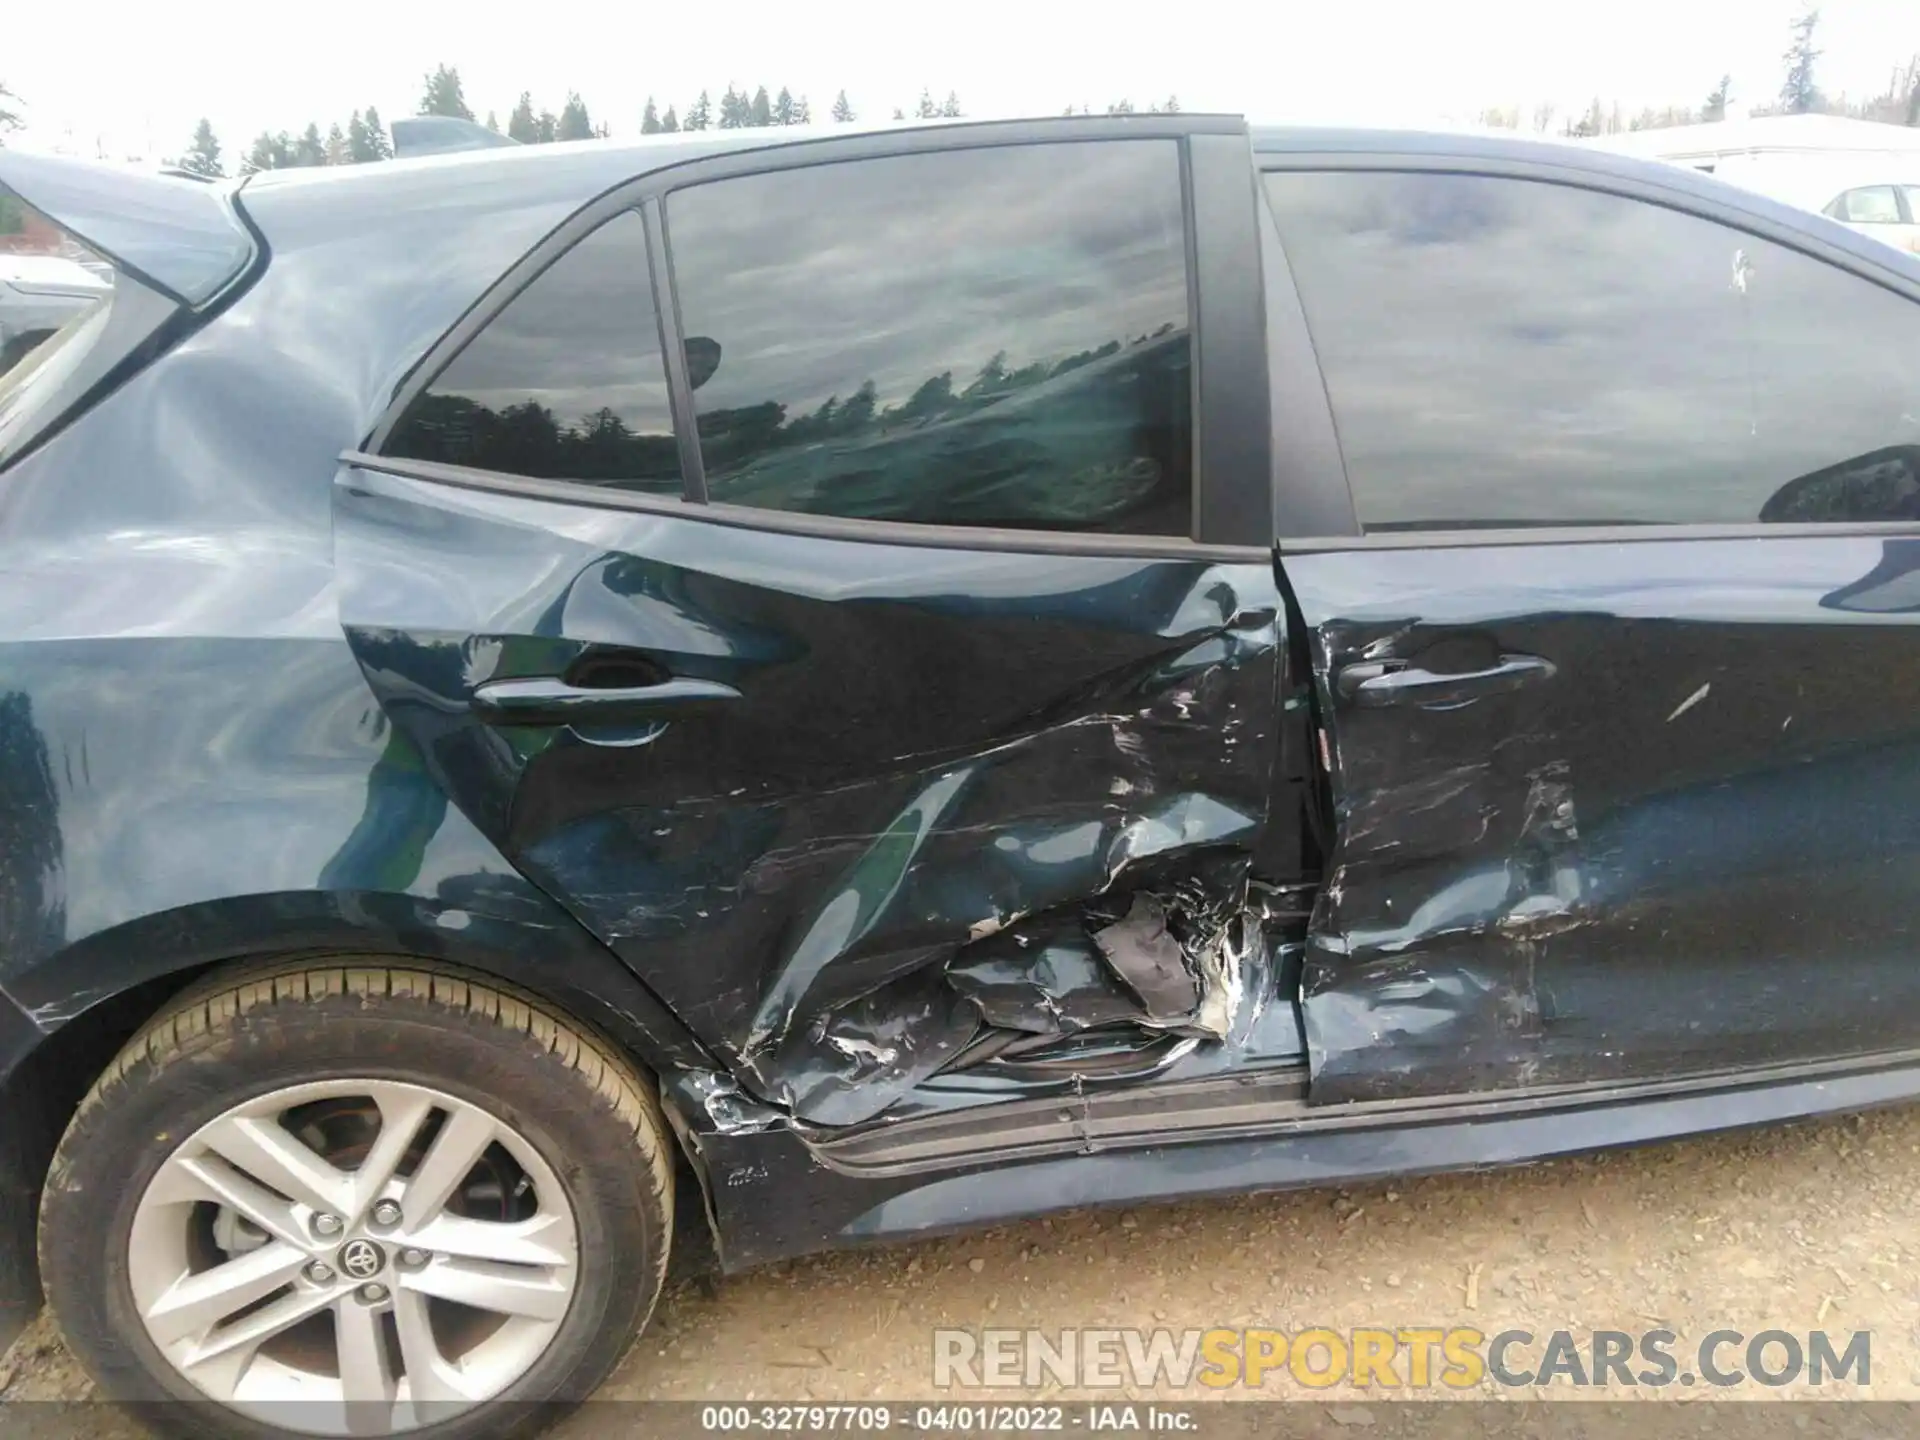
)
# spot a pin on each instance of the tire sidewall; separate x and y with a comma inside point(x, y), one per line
point(119, 1141)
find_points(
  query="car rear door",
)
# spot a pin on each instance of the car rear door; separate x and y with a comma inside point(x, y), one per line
point(1618, 671)
point(874, 575)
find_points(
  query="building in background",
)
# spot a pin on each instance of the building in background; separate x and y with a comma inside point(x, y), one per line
point(1858, 171)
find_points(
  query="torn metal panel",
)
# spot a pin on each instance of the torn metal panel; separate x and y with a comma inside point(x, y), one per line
point(1044, 978)
point(857, 1059)
point(1151, 961)
point(717, 1098)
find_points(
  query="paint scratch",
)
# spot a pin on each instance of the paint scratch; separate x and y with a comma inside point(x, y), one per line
point(1687, 704)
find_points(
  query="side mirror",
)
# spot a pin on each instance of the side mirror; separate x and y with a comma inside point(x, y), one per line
point(1880, 485)
point(703, 358)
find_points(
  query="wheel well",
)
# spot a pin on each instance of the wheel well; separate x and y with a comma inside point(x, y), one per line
point(41, 1095)
point(38, 1099)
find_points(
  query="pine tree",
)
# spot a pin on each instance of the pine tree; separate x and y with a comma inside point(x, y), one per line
point(203, 156)
point(699, 114)
point(1120, 107)
point(493, 122)
point(951, 109)
point(670, 122)
point(269, 152)
point(546, 128)
point(442, 94)
point(377, 140)
point(1798, 93)
point(734, 108)
point(575, 123)
point(9, 117)
point(783, 108)
point(760, 110)
point(898, 113)
point(842, 110)
point(336, 145)
point(928, 110)
point(802, 112)
point(310, 149)
point(1716, 106)
point(1172, 107)
point(649, 119)
point(520, 121)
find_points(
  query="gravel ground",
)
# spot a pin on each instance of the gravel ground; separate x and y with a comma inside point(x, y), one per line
point(1810, 1226)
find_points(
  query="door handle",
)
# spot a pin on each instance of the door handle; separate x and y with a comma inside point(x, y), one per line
point(545, 700)
point(1394, 682)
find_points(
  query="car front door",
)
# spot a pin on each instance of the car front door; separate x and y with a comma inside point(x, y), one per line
point(1618, 684)
point(919, 592)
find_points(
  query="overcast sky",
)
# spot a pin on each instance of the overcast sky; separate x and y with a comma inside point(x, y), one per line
point(133, 80)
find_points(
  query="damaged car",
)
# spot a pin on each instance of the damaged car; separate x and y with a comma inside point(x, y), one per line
point(723, 696)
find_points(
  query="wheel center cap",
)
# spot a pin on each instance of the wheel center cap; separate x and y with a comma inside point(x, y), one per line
point(362, 1259)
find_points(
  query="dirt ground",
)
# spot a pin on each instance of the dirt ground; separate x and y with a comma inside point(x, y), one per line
point(1811, 1226)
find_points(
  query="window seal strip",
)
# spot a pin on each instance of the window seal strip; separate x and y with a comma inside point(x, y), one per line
point(1091, 544)
point(666, 314)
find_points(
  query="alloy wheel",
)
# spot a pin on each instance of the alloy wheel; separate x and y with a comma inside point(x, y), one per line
point(353, 1256)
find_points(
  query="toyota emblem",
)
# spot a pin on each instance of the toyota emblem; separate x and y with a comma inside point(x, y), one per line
point(361, 1259)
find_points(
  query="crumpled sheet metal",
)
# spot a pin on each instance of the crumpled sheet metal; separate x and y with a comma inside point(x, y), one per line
point(1401, 990)
point(849, 1060)
point(1021, 733)
point(1045, 977)
point(969, 855)
point(1153, 963)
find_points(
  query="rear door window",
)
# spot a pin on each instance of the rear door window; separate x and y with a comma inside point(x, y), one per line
point(982, 337)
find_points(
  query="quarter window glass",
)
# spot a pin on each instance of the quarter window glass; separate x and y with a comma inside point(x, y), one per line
point(1871, 205)
point(1505, 352)
point(565, 383)
point(977, 337)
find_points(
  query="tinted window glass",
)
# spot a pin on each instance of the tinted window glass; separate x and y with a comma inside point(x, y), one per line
point(1871, 205)
point(565, 383)
point(978, 337)
point(1511, 352)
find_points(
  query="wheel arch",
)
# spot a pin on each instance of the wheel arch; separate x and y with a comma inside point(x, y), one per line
point(72, 1013)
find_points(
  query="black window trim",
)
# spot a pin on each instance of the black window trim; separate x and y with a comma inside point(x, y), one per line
point(1220, 524)
point(1728, 213)
point(797, 522)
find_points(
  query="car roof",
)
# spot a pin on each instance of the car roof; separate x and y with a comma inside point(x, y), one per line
point(578, 171)
point(631, 155)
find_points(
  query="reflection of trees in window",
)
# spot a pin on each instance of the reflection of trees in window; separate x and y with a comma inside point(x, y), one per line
point(737, 434)
point(527, 439)
point(1098, 439)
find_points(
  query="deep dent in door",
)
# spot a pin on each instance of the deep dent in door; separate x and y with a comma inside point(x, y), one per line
point(1446, 957)
point(850, 916)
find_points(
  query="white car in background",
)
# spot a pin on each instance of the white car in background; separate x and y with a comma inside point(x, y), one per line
point(1886, 212)
point(1862, 173)
point(39, 294)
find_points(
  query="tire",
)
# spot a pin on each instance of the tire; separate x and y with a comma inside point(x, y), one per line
point(582, 1132)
